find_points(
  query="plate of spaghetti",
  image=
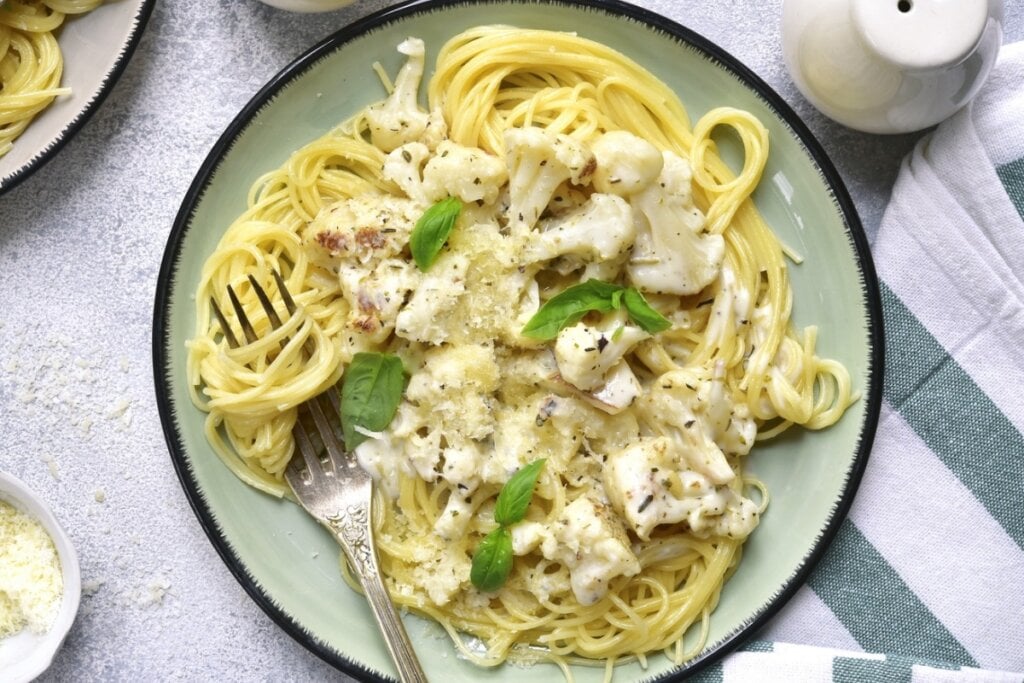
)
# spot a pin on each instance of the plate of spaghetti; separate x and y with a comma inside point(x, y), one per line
point(58, 61)
point(603, 320)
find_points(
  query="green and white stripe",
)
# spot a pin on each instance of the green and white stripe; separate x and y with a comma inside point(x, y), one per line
point(925, 579)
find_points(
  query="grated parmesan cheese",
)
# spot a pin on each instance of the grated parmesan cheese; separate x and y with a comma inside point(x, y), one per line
point(31, 583)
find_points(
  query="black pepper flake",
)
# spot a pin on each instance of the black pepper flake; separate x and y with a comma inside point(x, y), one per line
point(647, 501)
point(602, 342)
point(688, 424)
point(406, 155)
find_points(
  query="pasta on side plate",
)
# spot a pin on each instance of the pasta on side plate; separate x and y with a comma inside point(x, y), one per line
point(608, 300)
point(31, 63)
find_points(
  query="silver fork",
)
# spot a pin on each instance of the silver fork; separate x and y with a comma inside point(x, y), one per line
point(332, 487)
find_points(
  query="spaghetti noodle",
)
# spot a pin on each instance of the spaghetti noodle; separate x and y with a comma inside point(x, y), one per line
point(641, 513)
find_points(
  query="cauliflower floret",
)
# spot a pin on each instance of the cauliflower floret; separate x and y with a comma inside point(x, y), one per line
point(591, 360)
point(538, 162)
point(456, 516)
point(398, 119)
point(697, 414)
point(439, 292)
point(626, 163)
point(403, 166)
point(439, 428)
point(592, 544)
point(374, 296)
point(566, 198)
point(527, 535)
point(468, 173)
point(670, 255)
point(437, 129)
point(620, 389)
point(586, 354)
point(453, 392)
point(362, 239)
point(602, 229)
point(516, 441)
point(462, 463)
point(649, 484)
point(477, 259)
point(360, 230)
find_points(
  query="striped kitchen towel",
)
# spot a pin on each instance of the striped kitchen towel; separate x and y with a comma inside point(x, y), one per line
point(925, 580)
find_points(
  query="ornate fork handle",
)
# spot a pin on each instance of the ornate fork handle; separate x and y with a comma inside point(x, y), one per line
point(352, 528)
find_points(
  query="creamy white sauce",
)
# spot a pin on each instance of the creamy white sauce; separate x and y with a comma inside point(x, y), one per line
point(639, 451)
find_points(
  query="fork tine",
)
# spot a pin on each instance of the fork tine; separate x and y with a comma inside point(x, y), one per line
point(265, 302)
point(250, 334)
point(225, 328)
point(293, 471)
point(289, 302)
point(335, 400)
point(308, 451)
point(335, 446)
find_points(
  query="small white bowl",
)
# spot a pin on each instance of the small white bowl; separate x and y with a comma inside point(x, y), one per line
point(26, 655)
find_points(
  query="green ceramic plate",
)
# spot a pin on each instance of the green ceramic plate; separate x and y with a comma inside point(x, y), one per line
point(288, 564)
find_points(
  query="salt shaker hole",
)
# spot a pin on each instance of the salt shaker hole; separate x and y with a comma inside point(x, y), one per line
point(904, 6)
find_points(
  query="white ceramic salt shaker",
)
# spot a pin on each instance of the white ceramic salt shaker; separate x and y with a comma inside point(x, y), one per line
point(890, 66)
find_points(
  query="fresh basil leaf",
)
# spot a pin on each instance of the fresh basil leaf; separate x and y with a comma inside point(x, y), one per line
point(566, 308)
point(515, 495)
point(432, 231)
point(492, 560)
point(372, 390)
point(642, 314)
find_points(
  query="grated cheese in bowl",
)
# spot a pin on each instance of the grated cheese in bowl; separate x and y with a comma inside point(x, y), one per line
point(40, 583)
point(31, 585)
